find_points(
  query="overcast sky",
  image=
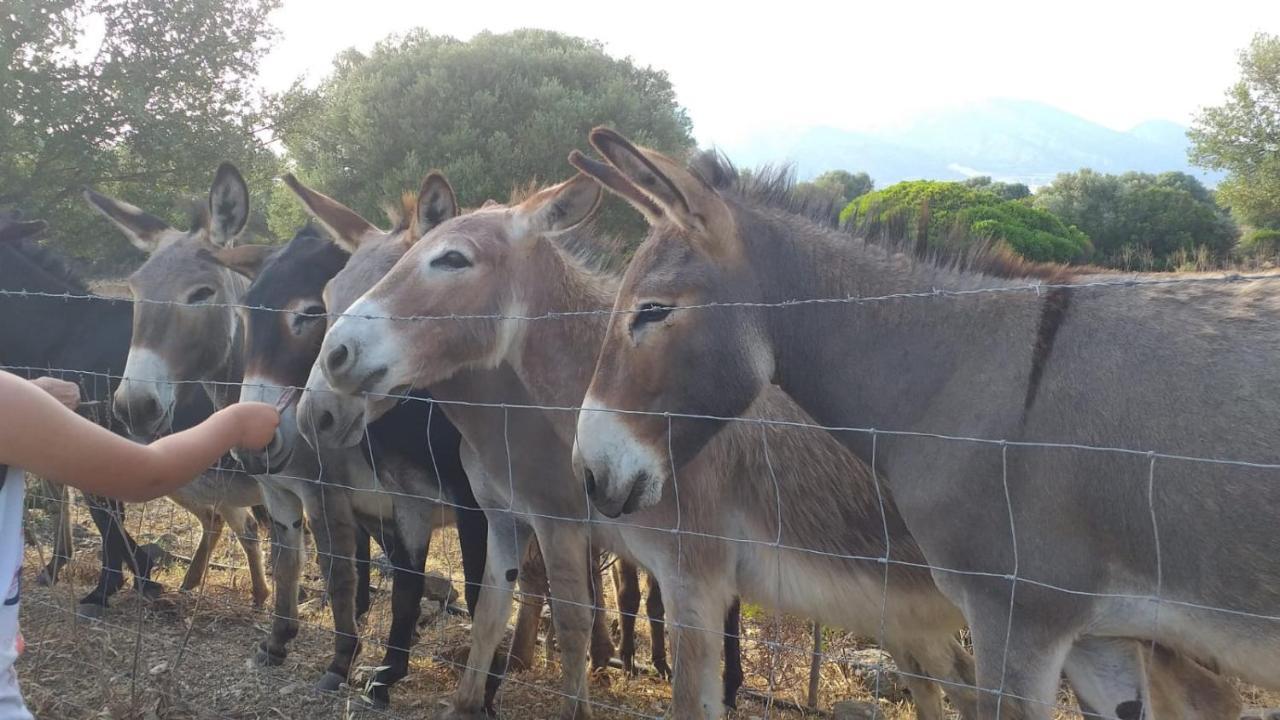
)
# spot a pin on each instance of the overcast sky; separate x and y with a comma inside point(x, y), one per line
point(741, 70)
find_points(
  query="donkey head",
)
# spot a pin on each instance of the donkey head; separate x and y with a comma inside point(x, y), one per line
point(464, 283)
point(184, 326)
point(284, 318)
point(335, 416)
point(14, 229)
point(692, 257)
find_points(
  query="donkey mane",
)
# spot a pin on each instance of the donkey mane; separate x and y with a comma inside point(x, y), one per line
point(51, 263)
point(773, 187)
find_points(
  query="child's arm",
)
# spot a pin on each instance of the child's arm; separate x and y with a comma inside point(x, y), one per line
point(40, 435)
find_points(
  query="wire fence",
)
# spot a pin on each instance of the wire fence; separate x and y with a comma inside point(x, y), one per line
point(195, 653)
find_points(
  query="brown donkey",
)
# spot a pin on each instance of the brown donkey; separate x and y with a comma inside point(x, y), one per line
point(1055, 555)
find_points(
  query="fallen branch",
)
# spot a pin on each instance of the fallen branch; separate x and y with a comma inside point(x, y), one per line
point(766, 699)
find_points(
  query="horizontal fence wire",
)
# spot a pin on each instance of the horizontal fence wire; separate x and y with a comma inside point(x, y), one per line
point(766, 638)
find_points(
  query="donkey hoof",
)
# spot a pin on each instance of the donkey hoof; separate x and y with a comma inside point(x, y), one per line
point(661, 667)
point(452, 713)
point(92, 611)
point(151, 590)
point(46, 579)
point(379, 697)
point(330, 682)
point(264, 657)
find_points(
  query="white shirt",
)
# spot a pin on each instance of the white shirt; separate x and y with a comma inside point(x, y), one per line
point(11, 498)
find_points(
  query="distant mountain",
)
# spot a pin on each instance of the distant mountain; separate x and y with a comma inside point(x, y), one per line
point(1010, 140)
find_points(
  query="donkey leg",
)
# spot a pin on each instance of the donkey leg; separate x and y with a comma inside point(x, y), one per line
point(533, 596)
point(245, 527)
point(657, 613)
point(334, 529)
point(118, 548)
point(733, 653)
point(1019, 664)
point(286, 562)
point(62, 534)
point(571, 571)
point(473, 533)
point(506, 541)
point(601, 648)
point(627, 579)
point(1183, 689)
point(406, 605)
point(695, 644)
point(211, 524)
point(364, 571)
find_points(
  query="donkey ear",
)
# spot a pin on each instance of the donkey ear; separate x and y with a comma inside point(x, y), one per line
point(557, 209)
point(643, 173)
point(614, 181)
point(143, 230)
point(228, 205)
point(345, 226)
point(436, 203)
point(14, 232)
point(244, 259)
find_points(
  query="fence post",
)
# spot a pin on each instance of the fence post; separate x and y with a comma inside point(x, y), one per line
point(815, 665)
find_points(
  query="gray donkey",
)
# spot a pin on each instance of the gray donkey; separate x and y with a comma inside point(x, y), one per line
point(1052, 552)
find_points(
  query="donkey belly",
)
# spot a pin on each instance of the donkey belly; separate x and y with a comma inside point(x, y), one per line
point(853, 595)
point(215, 489)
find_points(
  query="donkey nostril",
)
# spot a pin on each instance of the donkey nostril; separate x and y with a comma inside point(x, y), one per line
point(151, 407)
point(326, 421)
point(338, 357)
point(591, 482)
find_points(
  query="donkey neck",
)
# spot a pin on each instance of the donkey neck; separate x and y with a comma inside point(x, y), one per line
point(947, 364)
point(555, 357)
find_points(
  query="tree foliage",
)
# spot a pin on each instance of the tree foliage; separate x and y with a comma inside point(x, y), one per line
point(494, 113)
point(140, 98)
point(943, 213)
point(1161, 217)
point(1008, 191)
point(1242, 136)
point(1263, 243)
point(841, 186)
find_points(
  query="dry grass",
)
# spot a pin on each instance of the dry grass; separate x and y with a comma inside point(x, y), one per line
point(188, 656)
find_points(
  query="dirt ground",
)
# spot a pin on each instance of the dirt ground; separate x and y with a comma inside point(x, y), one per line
point(189, 655)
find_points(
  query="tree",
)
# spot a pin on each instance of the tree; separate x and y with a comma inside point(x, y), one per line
point(843, 186)
point(145, 114)
point(494, 113)
point(833, 190)
point(943, 214)
point(1008, 191)
point(1242, 136)
point(1138, 215)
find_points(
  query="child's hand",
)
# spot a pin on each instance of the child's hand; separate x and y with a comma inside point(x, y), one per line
point(257, 423)
point(67, 393)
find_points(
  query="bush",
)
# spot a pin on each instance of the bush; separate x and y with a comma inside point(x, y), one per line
point(945, 213)
point(1260, 243)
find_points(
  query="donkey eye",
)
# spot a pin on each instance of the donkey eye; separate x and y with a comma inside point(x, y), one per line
point(650, 313)
point(452, 260)
point(200, 295)
point(307, 316)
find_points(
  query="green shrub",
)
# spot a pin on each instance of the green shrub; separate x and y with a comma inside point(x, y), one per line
point(946, 213)
point(1260, 243)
